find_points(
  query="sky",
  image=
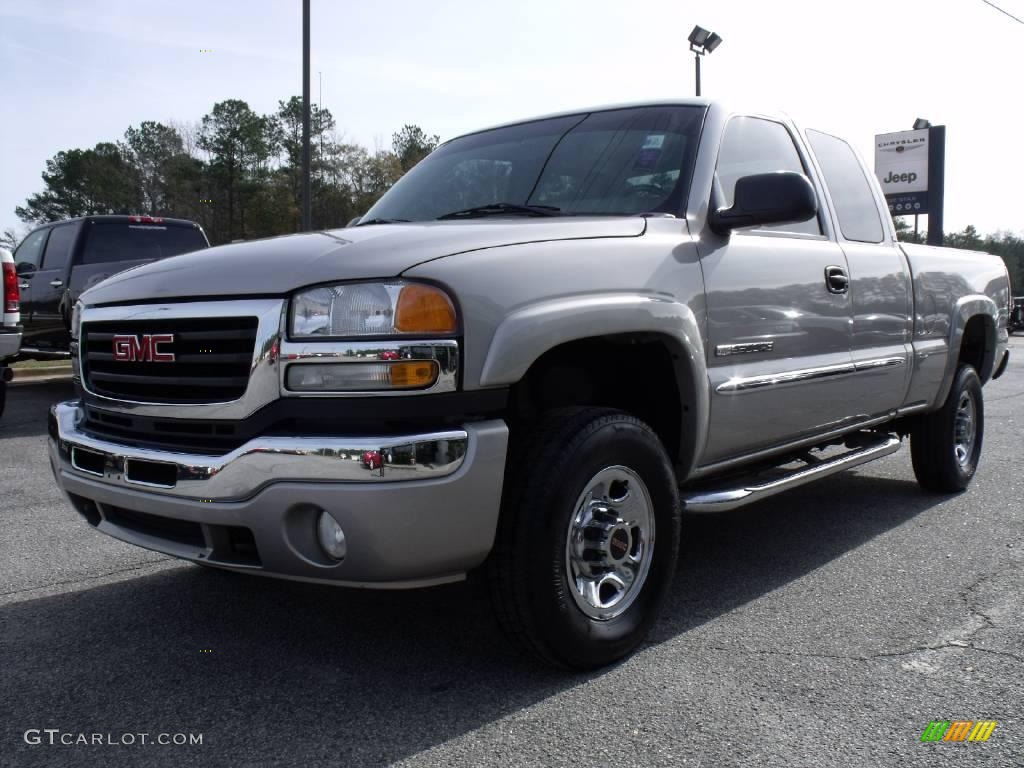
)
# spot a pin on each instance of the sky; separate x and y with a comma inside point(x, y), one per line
point(76, 72)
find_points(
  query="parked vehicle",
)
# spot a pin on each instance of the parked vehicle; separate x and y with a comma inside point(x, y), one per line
point(57, 262)
point(538, 348)
point(1016, 322)
point(10, 323)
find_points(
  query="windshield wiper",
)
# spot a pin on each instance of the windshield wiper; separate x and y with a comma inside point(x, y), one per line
point(493, 209)
point(368, 222)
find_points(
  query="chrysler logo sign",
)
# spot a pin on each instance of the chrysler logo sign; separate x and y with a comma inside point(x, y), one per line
point(145, 348)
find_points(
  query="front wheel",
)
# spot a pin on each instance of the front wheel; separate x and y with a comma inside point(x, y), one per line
point(588, 538)
point(946, 445)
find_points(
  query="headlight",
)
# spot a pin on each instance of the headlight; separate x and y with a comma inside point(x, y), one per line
point(370, 309)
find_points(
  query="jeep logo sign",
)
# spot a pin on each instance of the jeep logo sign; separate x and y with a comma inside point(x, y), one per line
point(901, 164)
point(904, 178)
point(901, 161)
point(143, 349)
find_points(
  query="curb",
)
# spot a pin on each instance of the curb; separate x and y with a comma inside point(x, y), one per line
point(43, 373)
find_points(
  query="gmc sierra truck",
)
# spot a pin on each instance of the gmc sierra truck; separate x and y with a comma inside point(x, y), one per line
point(539, 348)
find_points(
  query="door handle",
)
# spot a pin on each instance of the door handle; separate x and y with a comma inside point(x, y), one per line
point(23, 286)
point(56, 283)
point(836, 280)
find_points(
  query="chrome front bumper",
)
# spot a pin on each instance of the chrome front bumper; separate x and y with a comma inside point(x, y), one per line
point(247, 469)
point(416, 509)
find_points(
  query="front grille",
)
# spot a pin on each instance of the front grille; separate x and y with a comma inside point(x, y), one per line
point(181, 435)
point(212, 360)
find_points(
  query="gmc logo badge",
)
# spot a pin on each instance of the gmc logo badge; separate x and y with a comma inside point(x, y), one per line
point(143, 349)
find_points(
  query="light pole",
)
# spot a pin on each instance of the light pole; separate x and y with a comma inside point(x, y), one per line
point(307, 187)
point(702, 41)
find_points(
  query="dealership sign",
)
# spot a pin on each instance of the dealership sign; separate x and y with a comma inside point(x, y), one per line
point(901, 164)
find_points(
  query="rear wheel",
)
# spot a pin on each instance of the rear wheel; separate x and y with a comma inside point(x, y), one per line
point(3, 393)
point(588, 538)
point(946, 444)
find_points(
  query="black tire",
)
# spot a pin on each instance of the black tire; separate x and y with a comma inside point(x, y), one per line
point(933, 442)
point(529, 570)
point(3, 396)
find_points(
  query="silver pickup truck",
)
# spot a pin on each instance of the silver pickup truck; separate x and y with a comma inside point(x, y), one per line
point(539, 348)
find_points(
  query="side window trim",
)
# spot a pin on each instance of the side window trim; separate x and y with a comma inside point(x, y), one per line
point(804, 155)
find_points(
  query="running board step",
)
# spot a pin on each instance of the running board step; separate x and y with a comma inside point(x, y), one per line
point(739, 493)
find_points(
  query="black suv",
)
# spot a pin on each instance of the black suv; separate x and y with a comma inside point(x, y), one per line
point(57, 261)
point(1016, 314)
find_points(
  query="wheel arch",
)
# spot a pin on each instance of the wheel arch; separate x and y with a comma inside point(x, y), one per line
point(650, 341)
point(974, 339)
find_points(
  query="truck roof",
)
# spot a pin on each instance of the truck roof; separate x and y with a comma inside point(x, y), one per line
point(668, 102)
point(123, 218)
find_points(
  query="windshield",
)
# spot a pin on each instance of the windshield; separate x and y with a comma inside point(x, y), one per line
point(618, 162)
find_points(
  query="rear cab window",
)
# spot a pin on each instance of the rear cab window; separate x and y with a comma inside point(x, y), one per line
point(849, 188)
point(58, 247)
point(108, 241)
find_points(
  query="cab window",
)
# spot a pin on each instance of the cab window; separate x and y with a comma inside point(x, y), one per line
point(753, 145)
point(58, 247)
point(28, 255)
point(851, 193)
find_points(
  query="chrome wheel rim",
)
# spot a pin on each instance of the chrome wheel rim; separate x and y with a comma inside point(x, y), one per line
point(965, 428)
point(610, 543)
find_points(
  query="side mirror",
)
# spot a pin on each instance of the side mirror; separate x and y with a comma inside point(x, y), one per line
point(25, 268)
point(766, 198)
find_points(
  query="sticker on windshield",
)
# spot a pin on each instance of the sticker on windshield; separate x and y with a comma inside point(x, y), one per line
point(647, 157)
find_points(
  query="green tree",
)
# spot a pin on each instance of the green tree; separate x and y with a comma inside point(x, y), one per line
point(236, 172)
point(904, 233)
point(78, 182)
point(151, 149)
point(241, 144)
point(412, 144)
point(969, 239)
point(9, 239)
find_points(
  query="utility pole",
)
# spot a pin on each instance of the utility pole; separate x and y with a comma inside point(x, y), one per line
point(307, 187)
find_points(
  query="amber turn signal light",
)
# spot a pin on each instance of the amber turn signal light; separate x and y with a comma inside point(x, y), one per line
point(411, 375)
point(424, 309)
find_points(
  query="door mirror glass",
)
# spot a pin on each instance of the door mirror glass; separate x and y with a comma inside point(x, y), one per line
point(784, 197)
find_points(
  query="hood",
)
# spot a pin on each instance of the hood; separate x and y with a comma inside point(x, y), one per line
point(279, 265)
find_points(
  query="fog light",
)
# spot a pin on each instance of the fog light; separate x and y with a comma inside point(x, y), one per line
point(332, 538)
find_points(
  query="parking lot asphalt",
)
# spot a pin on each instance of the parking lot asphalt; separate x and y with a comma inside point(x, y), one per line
point(824, 627)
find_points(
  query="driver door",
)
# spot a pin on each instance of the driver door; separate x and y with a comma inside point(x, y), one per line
point(778, 333)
